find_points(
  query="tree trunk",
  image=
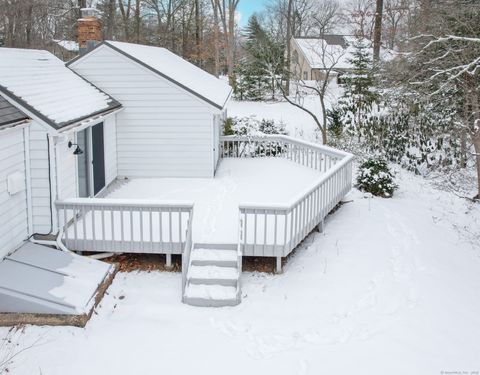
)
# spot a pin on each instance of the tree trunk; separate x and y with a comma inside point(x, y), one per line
point(476, 145)
point(324, 120)
point(198, 58)
point(137, 21)
point(216, 68)
point(288, 46)
point(231, 41)
point(110, 20)
point(377, 32)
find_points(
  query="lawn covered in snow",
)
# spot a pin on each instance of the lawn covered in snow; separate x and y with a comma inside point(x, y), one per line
point(391, 287)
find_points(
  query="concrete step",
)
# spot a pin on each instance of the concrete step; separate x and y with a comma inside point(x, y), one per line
point(211, 275)
point(210, 295)
point(213, 257)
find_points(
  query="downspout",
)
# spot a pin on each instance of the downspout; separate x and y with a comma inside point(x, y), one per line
point(53, 212)
point(28, 182)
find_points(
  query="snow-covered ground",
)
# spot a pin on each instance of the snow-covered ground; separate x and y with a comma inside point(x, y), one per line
point(391, 287)
point(264, 181)
point(297, 122)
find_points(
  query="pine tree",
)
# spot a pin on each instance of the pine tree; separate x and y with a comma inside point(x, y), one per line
point(264, 62)
point(359, 95)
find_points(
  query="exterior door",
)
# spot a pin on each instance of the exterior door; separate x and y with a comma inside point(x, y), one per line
point(98, 158)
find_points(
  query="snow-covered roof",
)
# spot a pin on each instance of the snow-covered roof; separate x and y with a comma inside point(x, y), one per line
point(171, 66)
point(9, 114)
point(41, 84)
point(69, 45)
point(321, 53)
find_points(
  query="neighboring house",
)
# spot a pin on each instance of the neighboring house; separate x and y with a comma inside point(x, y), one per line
point(168, 103)
point(64, 49)
point(312, 56)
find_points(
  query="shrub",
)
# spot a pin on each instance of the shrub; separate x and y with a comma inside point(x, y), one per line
point(250, 126)
point(374, 176)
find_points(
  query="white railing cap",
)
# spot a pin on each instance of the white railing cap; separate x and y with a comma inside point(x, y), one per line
point(277, 137)
point(121, 202)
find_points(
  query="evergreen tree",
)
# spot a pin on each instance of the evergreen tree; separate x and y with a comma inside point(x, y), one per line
point(263, 64)
point(359, 95)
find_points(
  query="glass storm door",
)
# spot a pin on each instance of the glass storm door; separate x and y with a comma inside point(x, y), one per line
point(83, 162)
point(98, 158)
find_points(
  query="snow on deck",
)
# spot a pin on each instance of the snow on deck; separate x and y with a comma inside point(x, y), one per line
point(215, 218)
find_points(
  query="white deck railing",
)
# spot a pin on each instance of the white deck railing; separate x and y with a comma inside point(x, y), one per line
point(275, 230)
point(117, 225)
point(308, 154)
point(186, 254)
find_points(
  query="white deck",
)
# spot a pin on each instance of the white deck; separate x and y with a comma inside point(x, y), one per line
point(259, 180)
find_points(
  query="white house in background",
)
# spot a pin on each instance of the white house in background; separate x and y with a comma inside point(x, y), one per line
point(311, 56)
point(173, 110)
point(64, 49)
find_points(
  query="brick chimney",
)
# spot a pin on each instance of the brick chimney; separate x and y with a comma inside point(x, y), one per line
point(89, 30)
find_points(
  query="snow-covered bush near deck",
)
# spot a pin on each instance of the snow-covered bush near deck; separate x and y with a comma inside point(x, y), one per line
point(251, 126)
point(374, 176)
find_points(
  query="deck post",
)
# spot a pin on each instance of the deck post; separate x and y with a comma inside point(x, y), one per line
point(168, 264)
point(321, 226)
point(278, 265)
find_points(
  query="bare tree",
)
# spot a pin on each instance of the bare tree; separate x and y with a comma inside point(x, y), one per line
point(325, 15)
point(288, 45)
point(227, 10)
point(327, 57)
point(377, 32)
point(216, 38)
point(359, 15)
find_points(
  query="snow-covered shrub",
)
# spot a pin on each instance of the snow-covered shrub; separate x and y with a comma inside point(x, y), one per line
point(252, 127)
point(374, 176)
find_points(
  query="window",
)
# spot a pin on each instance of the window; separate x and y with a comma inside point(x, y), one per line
point(305, 75)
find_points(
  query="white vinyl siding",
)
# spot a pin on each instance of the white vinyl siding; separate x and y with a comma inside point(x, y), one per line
point(39, 178)
point(163, 131)
point(13, 208)
point(110, 137)
point(66, 171)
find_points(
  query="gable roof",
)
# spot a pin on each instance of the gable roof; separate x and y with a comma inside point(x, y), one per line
point(321, 55)
point(335, 52)
point(331, 39)
point(41, 84)
point(175, 69)
point(69, 45)
point(10, 115)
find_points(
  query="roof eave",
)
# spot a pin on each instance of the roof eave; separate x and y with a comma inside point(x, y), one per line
point(32, 112)
point(14, 124)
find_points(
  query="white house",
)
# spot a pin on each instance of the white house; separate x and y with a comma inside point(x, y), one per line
point(39, 166)
point(121, 112)
point(13, 177)
point(312, 56)
point(173, 110)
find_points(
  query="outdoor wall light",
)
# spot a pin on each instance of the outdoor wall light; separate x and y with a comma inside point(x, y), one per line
point(77, 151)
